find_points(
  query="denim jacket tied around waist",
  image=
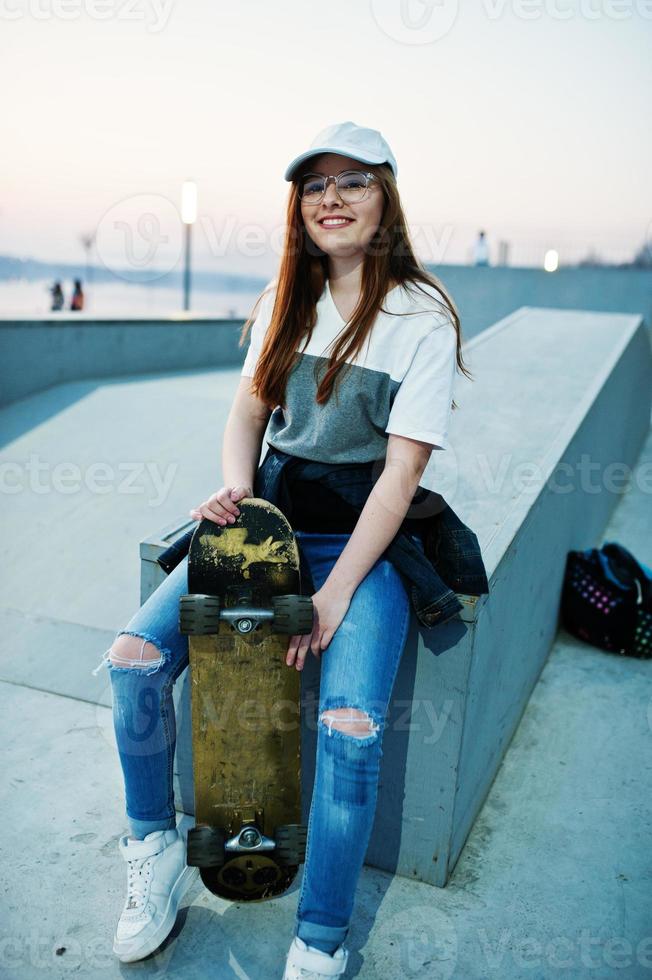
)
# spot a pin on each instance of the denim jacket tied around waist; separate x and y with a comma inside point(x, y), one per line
point(450, 562)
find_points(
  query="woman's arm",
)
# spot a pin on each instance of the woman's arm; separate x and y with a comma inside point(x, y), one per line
point(382, 514)
point(379, 520)
point(243, 437)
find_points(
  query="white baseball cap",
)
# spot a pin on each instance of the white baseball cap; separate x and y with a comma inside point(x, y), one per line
point(366, 145)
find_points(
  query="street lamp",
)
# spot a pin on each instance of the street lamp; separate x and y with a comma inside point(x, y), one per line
point(188, 216)
point(88, 240)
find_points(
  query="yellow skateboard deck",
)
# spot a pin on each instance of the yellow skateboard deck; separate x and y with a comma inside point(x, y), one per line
point(243, 604)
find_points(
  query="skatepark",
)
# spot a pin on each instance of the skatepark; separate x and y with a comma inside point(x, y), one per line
point(512, 833)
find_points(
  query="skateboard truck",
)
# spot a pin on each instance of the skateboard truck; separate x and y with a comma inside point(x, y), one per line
point(207, 846)
point(244, 616)
point(249, 837)
point(289, 846)
point(200, 615)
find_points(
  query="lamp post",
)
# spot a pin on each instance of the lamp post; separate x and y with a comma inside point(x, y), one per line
point(88, 240)
point(188, 216)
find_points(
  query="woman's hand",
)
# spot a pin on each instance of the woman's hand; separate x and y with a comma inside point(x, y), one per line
point(329, 611)
point(221, 506)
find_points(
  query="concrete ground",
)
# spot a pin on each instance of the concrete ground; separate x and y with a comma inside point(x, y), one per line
point(555, 879)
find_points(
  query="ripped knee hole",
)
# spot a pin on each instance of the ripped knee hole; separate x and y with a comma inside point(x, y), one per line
point(125, 652)
point(351, 721)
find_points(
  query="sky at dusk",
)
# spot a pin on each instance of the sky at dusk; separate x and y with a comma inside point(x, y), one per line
point(528, 119)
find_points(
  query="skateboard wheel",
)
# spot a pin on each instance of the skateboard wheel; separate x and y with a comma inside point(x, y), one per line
point(293, 614)
point(205, 847)
point(199, 615)
point(291, 843)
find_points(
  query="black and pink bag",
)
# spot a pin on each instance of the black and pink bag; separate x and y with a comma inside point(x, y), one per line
point(607, 600)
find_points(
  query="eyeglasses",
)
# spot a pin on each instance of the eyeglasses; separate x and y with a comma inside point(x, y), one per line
point(351, 185)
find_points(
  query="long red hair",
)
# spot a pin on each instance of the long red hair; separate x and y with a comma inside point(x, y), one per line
point(303, 271)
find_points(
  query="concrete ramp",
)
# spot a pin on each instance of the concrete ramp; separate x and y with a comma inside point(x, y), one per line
point(544, 440)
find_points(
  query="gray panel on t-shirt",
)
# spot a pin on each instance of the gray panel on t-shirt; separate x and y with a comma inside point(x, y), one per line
point(350, 427)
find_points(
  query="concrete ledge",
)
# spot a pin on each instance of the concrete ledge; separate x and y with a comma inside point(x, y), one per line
point(151, 573)
point(484, 295)
point(79, 346)
point(36, 354)
point(560, 399)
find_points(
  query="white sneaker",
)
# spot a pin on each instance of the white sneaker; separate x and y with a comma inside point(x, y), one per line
point(309, 963)
point(157, 879)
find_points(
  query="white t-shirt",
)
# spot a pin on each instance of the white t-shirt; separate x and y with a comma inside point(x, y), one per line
point(400, 382)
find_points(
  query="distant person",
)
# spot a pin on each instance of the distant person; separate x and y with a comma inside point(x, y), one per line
point(481, 251)
point(57, 297)
point(77, 301)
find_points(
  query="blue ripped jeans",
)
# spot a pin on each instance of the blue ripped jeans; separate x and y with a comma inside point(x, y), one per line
point(358, 670)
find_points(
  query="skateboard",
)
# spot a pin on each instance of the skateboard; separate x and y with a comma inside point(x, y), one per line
point(243, 604)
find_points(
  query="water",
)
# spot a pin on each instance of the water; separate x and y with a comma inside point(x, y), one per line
point(32, 298)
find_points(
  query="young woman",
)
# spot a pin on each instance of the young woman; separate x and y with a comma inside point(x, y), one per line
point(354, 348)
